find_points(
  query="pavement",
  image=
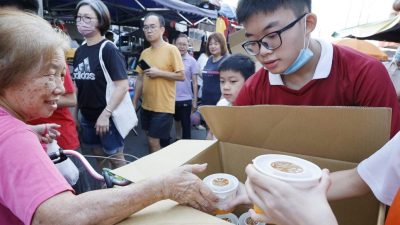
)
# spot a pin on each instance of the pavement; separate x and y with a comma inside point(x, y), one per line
point(135, 147)
point(137, 144)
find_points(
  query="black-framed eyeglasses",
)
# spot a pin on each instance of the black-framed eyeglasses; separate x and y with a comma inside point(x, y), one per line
point(85, 19)
point(270, 41)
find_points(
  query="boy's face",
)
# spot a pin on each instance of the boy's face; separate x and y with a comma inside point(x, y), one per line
point(259, 25)
point(230, 83)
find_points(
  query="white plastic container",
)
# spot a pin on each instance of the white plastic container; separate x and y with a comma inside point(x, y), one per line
point(245, 219)
point(230, 217)
point(225, 187)
point(296, 171)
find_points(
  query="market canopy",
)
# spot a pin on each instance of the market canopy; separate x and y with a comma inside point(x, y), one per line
point(364, 47)
point(388, 30)
point(130, 12)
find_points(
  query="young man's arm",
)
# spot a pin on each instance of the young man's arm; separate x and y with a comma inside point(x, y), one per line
point(110, 206)
point(346, 184)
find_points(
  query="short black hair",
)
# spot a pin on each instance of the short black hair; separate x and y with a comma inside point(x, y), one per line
point(101, 11)
point(238, 63)
point(247, 8)
point(26, 5)
point(160, 18)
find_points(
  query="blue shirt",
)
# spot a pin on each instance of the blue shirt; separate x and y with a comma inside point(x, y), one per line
point(211, 88)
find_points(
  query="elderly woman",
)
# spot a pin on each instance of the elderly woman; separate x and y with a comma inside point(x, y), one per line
point(32, 191)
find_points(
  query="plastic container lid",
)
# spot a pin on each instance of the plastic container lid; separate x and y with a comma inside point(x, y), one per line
point(221, 182)
point(230, 217)
point(245, 219)
point(287, 168)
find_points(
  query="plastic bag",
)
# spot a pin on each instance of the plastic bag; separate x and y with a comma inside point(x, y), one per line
point(67, 168)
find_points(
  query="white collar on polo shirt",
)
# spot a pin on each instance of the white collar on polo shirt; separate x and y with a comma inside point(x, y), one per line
point(323, 67)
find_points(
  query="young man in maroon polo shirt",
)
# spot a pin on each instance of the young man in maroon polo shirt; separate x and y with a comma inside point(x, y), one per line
point(299, 70)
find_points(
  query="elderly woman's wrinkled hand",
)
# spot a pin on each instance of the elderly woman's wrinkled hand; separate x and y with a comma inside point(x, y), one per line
point(184, 187)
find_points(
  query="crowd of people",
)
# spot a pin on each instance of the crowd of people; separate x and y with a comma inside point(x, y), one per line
point(32, 190)
point(37, 89)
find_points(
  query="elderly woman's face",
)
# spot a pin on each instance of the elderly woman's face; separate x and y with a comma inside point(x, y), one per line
point(38, 94)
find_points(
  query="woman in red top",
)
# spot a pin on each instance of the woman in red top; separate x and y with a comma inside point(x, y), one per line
point(68, 138)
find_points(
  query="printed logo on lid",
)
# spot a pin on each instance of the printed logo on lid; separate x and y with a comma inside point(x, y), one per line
point(287, 167)
point(250, 221)
point(219, 181)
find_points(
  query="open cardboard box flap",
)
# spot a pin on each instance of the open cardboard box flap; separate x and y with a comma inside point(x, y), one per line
point(355, 134)
point(163, 161)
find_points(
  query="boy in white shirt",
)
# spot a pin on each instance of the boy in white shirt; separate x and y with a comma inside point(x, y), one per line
point(234, 71)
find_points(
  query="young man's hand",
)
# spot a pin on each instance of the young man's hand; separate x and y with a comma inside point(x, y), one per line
point(284, 204)
point(241, 198)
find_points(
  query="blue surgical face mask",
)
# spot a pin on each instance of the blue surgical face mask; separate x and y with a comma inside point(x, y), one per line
point(304, 56)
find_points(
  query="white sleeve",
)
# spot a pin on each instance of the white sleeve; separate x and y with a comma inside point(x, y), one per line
point(381, 171)
point(223, 102)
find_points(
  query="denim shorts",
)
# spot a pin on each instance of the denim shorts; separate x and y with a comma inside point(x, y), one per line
point(157, 124)
point(111, 142)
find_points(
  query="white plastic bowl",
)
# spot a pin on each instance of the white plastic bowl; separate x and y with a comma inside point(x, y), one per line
point(296, 171)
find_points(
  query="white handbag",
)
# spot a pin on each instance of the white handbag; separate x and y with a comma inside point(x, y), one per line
point(124, 116)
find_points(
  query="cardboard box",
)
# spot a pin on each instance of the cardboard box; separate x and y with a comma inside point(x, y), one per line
point(336, 138)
